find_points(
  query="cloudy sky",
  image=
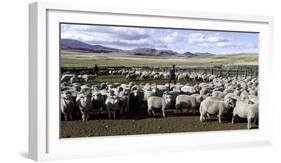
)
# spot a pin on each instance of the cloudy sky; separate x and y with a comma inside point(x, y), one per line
point(180, 40)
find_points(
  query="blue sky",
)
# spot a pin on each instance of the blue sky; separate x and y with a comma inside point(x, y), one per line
point(179, 40)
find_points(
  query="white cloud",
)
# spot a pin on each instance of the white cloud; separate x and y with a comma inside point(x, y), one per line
point(107, 35)
point(198, 39)
point(132, 37)
point(228, 44)
point(171, 38)
point(125, 33)
point(214, 40)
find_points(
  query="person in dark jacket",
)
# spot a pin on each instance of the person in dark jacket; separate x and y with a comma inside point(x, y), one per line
point(96, 69)
point(172, 75)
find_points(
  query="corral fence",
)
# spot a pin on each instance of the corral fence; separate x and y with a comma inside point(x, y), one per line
point(224, 71)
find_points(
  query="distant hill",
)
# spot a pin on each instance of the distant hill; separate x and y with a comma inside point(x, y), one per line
point(197, 54)
point(203, 54)
point(79, 46)
point(188, 54)
point(152, 52)
point(71, 44)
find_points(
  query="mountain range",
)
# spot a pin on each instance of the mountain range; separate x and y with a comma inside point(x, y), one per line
point(75, 45)
point(71, 44)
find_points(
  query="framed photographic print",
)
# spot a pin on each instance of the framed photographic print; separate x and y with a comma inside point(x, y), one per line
point(112, 81)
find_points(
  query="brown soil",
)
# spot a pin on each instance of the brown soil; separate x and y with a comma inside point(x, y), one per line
point(138, 123)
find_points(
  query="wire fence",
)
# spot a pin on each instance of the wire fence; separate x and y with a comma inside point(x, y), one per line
point(223, 71)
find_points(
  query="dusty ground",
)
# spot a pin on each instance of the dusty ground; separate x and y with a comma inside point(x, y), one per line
point(138, 123)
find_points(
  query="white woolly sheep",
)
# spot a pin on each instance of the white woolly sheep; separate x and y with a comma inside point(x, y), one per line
point(155, 102)
point(245, 110)
point(124, 103)
point(131, 76)
point(218, 94)
point(244, 95)
point(88, 78)
point(84, 103)
point(66, 77)
point(188, 90)
point(112, 105)
point(217, 106)
point(188, 102)
point(148, 94)
point(253, 99)
point(67, 105)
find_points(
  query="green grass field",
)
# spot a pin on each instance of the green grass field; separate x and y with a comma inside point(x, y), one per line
point(76, 59)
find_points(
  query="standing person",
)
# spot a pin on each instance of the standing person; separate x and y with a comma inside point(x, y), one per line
point(96, 69)
point(172, 75)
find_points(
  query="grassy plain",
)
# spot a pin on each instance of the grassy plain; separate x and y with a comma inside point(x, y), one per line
point(76, 59)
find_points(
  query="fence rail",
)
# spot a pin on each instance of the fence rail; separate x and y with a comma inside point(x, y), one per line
point(232, 71)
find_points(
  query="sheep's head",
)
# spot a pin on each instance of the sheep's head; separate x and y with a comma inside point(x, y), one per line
point(237, 92)
point(167, 98)
point(76, 88)
point(112, 100)
point(127, 92)
point(134, 88)
point(166, 92)
point(103, 85)
point(154, 90)
point(139, 94)
point(63, 84)
point(115, 101)
point(120, 89)
point(67, 95)
point(203, 92)
point(230, 103)
point(196, 88)
point(98, 96)
point(111, 92)
point(136, 93)
point(86, 97)
point(199, 98)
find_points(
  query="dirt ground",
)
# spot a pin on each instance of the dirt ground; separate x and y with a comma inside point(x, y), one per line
point(138, 123)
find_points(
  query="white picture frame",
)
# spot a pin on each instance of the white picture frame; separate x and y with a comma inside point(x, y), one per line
point(44, 142)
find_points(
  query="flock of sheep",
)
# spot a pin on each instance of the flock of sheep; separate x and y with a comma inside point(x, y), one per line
point(158, 75)
point(211, 96)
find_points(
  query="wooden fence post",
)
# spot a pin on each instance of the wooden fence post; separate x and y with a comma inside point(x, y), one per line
point(252, 73)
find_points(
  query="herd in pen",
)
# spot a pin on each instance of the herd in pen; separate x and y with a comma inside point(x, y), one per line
point(213, 96)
